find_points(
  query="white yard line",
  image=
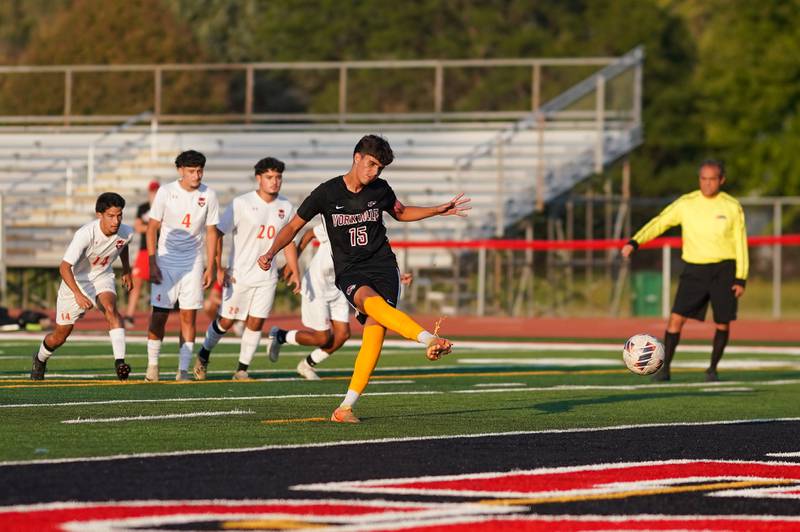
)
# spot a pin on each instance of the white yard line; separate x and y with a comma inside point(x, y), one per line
point(465, 344)
point(499, 384)
point(389, 440)
point(538, 389)
point(149, 418)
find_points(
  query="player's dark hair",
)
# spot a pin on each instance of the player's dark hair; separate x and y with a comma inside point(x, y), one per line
point(106, 200)
point(716, 163)
point(269, 163)
point(190, 159)
point(376, 146)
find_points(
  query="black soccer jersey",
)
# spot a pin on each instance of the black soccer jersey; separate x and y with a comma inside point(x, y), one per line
point(354, 222)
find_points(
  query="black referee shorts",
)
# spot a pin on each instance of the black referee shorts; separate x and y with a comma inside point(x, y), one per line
point(703, 283)
point(384, 279)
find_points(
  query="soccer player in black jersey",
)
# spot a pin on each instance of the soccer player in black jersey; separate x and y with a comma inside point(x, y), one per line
point(352, 208)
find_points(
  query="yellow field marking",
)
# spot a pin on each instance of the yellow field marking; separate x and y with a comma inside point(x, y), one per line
point(270, 524)
point(295, 420)
point(639, 493)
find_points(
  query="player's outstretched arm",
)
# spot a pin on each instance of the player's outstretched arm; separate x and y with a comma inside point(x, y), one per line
point(65, 269)
point(458, 206)
point(127, 280)
point(285, 236)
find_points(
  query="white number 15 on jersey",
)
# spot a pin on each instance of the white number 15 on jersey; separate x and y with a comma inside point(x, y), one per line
point(358, 236)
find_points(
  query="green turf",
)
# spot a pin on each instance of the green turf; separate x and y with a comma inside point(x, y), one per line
point(445, 398)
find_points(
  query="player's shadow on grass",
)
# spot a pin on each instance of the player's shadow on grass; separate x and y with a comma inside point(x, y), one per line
point(567, 405)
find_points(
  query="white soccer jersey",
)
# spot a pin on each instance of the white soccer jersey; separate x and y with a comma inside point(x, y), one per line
point(184, 216)
point(92, 253)
point(254, 224)
point(320, 272)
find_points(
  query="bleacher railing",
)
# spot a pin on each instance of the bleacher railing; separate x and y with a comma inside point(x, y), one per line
point(433, 78)
point(602, 112)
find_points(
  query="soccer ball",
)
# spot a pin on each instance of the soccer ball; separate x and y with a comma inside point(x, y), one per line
point(643, 354)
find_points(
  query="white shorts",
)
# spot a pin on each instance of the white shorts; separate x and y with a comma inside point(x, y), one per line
point(184, 285)
point(317, 313)
point(67, 309)
point(240, 300)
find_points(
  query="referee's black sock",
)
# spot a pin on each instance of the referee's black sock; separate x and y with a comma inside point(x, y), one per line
point(670, 344)
point(242, 367)
point(720, 341)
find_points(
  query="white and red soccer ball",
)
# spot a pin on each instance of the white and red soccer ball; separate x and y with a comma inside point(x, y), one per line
point(643, 354)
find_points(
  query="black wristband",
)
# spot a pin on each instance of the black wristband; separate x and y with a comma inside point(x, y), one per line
point(740, 282)
point(633, 243)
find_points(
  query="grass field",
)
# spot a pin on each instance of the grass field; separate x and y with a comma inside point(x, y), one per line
point(81, 410)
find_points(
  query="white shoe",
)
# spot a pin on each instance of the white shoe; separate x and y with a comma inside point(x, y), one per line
point(182, 375)
point(152, 373)
point(306, 371)
point(241, 375)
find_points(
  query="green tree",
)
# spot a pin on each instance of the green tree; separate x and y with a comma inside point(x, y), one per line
point(108, 32)
point(749, 95)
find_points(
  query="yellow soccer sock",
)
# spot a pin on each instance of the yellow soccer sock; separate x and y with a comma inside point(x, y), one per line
point(367, 359)
point(391, 318)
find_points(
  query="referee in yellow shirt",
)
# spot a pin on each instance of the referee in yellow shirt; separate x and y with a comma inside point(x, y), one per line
point(715, 253)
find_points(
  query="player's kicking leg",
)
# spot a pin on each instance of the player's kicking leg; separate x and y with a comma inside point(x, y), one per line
point(381, 316)
point(107, 304)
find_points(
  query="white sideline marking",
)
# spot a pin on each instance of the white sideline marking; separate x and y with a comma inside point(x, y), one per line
point(148, 418)
point(188, 399)
point(465, 344)
point(499, 384)
point(726, 389)
point(604, 362)
point(557, 388)
point(785, 455)
point(189, 452)
point(391, 382)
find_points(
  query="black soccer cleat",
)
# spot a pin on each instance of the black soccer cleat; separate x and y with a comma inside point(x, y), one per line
point(661, 375)
point(123, 370)
point(38, 368)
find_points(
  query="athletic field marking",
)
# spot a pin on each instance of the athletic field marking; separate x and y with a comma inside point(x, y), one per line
point(641, 493)
point(392, 382)
point(459, 345)
point(194, 399)
point(440, 375)
point(149, 418)
point(726, 389)
point(785, 455)
point(601, 362)
point(343, 443)
point(294, 420)
point(537, 389)
point(499, 384)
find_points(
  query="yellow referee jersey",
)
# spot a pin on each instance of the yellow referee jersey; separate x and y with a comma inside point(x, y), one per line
point(713, 229)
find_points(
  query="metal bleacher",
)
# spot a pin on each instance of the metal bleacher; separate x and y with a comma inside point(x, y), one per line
point(49, 179)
